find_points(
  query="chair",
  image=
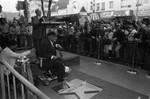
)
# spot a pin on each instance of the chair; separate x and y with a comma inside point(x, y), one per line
point(49, 73)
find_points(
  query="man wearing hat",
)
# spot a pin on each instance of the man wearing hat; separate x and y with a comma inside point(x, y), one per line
point(48, 51)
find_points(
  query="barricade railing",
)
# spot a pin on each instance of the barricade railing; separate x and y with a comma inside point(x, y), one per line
point(10, 88)
point(88, 48)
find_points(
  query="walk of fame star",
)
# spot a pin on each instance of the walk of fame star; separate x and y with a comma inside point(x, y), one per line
point(79, 90)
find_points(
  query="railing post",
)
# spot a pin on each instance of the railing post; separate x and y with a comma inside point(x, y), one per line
point(2, 81)
point(8, 86)
point(14, 83)
point(25, 83)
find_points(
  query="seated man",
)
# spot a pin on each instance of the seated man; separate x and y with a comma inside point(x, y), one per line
point(48, 51)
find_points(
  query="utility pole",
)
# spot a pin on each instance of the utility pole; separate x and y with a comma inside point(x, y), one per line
point(137, 9)
point(26, 10)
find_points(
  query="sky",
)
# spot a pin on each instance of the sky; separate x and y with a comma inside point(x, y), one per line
point(9, 5)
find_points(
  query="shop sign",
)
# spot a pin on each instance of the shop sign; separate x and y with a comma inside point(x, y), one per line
point(106, 14)
point(144, 12)
point(123, 13)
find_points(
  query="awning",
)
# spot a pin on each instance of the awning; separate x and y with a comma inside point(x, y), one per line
point(94, 16)
point(123, 13)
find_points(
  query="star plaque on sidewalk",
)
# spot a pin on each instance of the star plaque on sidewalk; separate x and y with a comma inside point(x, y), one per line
point(80, 89)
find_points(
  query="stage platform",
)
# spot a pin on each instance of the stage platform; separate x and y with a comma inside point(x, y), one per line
point(70, 59)
point(112, 78)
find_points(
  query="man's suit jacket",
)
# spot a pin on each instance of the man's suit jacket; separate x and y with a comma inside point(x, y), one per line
point(47, 50)
point(37, 29)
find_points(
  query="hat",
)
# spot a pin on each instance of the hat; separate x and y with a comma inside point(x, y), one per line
point(51, 33)
point(70, 23)
point(64, 26)
point(60, 27)
point(146, 20)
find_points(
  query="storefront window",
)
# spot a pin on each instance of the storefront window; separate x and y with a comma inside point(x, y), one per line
point(143, 1)
point(103, 6)
point(125, 3)
point(97, 6)
point(111, 3)
point(91, 7)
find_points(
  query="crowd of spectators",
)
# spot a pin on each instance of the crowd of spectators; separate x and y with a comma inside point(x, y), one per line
point(15, 30)
point(116, 40)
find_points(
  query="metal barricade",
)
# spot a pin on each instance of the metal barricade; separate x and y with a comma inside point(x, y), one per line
point(9, 88)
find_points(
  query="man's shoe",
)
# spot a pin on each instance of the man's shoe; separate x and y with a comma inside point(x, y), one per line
point(148, 76)
point(67, 70)
point(63, 80)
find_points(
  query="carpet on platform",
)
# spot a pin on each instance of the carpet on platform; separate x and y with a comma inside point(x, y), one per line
point(110, 90)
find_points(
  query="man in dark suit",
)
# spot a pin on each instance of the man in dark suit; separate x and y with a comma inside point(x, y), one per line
point(48, 51)
point(37, 31)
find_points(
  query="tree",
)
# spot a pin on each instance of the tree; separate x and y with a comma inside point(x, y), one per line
point(42, 7)
point(49, 10)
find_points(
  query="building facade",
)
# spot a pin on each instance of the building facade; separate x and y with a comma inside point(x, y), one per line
point(119, 8)
point(105, 9)
point(36, 4)
point(67, 7)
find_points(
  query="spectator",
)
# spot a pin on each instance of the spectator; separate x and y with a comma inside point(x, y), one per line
point(131, 43)
point(65, 38)
point(29, 30)
point(118, 37)
point(23, 39)
point(4, 28)
point(10, 56)
point(14, 30)
point(108, 42)
point(71, 34)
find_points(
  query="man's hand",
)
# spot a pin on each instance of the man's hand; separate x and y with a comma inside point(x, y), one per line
point(59, 46)
point(33, 50)
point(54, 57)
